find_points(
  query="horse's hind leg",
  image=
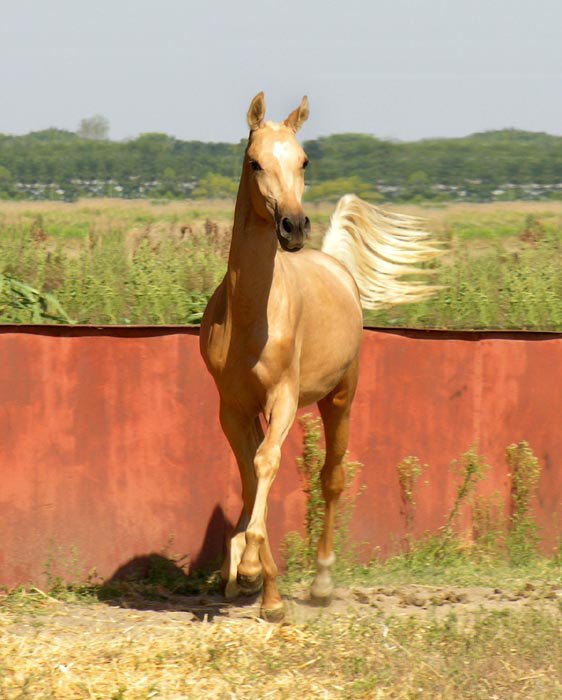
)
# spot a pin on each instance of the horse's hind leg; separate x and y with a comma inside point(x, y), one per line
point(335, 411)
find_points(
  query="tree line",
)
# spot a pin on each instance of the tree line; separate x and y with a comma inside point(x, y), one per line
point(58, 164)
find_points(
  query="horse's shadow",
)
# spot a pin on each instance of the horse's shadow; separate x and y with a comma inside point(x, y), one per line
point(187, 593)
point(157, 582)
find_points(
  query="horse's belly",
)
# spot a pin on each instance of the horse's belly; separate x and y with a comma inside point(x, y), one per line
point(328, 354)
point(324, 366)
point(313, 392)
point(331, 326)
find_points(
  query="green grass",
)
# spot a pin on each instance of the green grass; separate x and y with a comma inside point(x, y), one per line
point(496, 222)
point(435, 561)
point(124, 262)
point(116, 265)
point(495, 289)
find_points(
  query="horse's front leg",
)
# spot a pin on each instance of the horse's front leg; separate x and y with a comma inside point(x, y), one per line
point(245, 436)
point(280, 414)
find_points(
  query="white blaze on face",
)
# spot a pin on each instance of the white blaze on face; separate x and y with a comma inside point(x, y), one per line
point(285, 156)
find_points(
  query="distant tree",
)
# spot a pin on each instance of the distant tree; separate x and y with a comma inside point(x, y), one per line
point(51, 134)
point(158, 164)
point(94, 128)
point(332, 190)
point(215, 187)
point(5, 176)
point(6, 180)
point(418, 183)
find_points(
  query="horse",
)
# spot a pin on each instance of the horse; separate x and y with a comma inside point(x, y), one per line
point(283, 330)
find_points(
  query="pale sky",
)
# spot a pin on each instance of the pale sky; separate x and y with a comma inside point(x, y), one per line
point(403, 69)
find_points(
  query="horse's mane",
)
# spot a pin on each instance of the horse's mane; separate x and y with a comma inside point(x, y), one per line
point(378, 248)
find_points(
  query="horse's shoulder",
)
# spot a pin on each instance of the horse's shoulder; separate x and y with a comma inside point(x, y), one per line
point(328, 267)
point(317, 258)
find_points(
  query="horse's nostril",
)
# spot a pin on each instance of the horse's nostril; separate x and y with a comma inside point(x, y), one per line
point(306, 224)
point(287, 225)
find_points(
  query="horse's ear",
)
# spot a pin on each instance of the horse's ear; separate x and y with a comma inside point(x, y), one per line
point(298, 116)
point(256, 113)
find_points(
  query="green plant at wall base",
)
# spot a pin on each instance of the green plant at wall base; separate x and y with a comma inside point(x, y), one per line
point(446, 547)
point(525, 472)
point(300, 552)
point(63, 570)
point(489, 524)
point(345, 550)
point(310, 466)
point(471, 469)
point(409, 471)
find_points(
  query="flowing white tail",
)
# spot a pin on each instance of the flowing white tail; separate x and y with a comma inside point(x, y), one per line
point(378, 248)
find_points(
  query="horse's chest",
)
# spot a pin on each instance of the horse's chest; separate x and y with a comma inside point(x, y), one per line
point(252, 366)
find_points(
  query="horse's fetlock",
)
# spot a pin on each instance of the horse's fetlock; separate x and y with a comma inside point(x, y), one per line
point(325, 562)
point(333, 477)
point(331, 492)
point(333, 485)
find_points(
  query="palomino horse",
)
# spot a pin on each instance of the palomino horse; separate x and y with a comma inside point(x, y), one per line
point(283, 330)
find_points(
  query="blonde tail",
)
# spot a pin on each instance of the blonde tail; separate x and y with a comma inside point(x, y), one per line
point(379, 247)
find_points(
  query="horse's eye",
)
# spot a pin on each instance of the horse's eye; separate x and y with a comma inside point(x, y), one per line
point(305, 164)
point(255, 165)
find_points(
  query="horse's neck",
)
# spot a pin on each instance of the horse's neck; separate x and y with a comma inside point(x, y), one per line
point(251, 261)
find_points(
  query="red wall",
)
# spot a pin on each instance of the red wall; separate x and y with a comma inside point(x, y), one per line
point(110, 446)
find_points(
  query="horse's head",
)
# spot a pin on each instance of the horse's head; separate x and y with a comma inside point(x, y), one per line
point(275, 162)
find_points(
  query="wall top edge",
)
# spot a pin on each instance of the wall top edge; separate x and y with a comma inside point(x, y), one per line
point(139, 330)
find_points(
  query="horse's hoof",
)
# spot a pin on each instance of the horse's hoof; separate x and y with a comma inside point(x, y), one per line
point(320, 602)
point(276, 614)
point(249, 584)
point(321, 591)
point(230, 589)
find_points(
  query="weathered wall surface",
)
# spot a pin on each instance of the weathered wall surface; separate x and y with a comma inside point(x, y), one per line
point(110, 446)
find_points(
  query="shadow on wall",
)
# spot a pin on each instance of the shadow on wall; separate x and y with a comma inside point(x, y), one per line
point(159, 583)
point(178, 574)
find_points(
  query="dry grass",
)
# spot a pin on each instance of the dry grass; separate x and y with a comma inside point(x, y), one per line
point(55, 649)
point(223, 210)
point(218, 207)
point(466, 209)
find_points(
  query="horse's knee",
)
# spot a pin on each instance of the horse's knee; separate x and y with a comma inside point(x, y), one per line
point(266, 462)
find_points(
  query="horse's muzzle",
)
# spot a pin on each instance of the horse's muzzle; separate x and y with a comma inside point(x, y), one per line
point(292, 232)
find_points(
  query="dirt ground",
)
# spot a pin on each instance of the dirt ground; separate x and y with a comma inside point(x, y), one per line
point(135, 611)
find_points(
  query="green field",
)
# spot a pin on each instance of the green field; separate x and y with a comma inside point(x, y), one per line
point(140, 262)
